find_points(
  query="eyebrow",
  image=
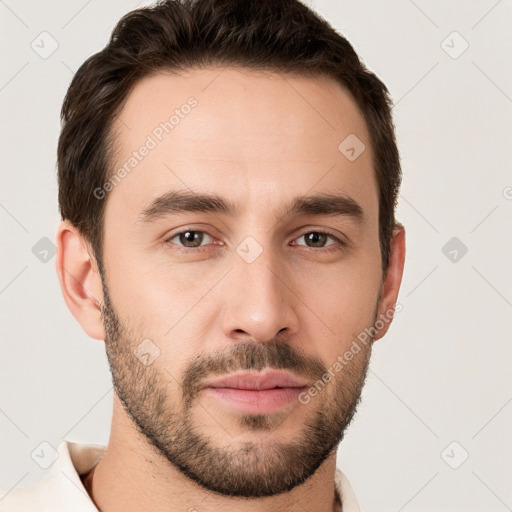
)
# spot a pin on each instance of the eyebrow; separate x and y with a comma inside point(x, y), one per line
point(179, 201)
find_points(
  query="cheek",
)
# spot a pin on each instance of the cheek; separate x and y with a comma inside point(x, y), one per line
point(150, 292)
point(339, 305)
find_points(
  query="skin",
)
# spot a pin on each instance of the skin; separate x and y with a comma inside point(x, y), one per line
point(258, 139)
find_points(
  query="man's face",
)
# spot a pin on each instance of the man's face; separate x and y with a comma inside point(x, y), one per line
point(204, 294)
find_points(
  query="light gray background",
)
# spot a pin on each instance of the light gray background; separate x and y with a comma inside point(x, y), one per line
point(442, 374)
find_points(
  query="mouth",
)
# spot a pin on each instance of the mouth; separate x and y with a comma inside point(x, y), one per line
point(260, 392)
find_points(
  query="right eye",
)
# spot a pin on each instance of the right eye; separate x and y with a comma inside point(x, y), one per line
point(188, 239)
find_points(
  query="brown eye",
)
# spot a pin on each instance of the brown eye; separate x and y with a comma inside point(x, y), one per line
point(317, 239)
point(189, 239)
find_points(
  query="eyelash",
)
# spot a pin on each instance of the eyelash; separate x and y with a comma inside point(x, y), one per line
point(333, 247)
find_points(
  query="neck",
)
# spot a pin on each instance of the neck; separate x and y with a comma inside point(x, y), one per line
point(133, 476)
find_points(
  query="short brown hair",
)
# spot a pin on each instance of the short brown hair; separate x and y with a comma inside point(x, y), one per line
point(283, 36)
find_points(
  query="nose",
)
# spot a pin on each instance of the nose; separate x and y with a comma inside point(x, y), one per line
point(259, 301)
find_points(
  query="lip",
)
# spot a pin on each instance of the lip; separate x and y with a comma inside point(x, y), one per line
point(257, 393)
point(258, 381)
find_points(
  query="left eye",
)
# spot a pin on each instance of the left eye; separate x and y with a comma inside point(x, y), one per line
point(190, 239)
point(317, 238)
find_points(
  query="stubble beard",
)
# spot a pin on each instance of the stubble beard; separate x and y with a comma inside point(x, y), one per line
point(251, 469)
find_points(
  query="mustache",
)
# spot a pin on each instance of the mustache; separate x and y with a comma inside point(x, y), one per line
point(276, 354)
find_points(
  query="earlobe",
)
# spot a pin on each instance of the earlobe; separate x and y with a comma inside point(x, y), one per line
point(79, 279)
point(391, 282)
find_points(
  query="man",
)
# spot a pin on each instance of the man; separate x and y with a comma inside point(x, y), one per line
point(228, 175)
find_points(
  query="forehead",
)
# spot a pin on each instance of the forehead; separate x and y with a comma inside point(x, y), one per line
point(242, 134)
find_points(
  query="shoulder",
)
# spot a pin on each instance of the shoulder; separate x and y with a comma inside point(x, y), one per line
point(61, 488)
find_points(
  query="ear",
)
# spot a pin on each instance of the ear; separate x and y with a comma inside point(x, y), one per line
point(391, 282)
point(79, 279)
